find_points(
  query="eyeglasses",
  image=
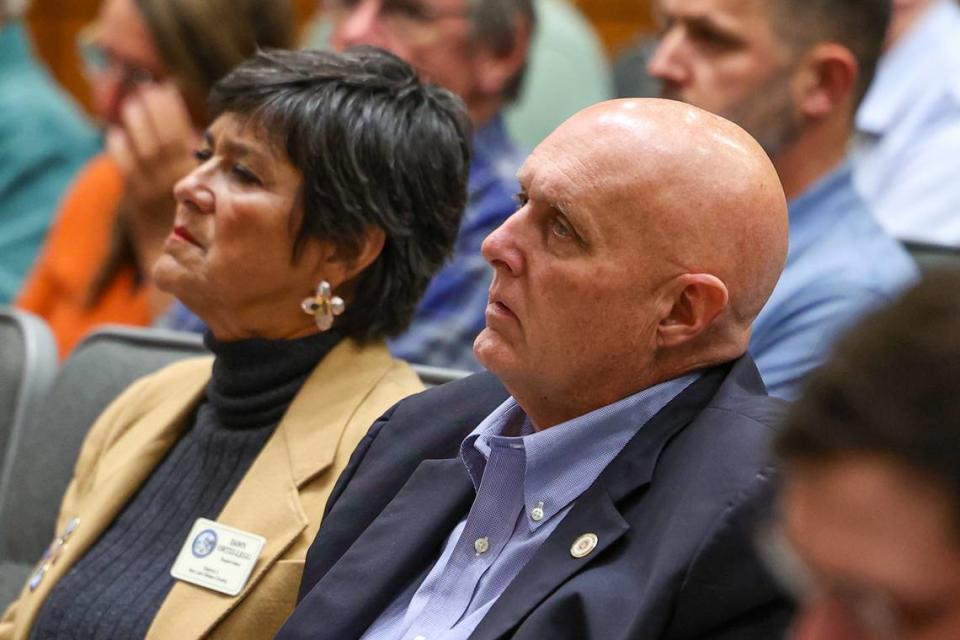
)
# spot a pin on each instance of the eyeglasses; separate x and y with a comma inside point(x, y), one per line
point(98, 61)
point(407, 19)
point(870, 612)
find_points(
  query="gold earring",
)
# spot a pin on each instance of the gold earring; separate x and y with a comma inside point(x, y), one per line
point(324, 306)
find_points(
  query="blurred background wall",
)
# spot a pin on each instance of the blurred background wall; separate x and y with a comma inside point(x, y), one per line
point(55, 23)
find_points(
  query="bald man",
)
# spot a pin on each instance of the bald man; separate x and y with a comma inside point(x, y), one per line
point(602, 480)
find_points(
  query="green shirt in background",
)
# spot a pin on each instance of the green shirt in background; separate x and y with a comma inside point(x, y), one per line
point(44, 140)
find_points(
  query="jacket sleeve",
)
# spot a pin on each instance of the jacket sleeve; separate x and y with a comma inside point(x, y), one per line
point(727, 594)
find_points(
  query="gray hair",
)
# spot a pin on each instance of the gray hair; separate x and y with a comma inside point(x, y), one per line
point(13, 8)
point(494, 25)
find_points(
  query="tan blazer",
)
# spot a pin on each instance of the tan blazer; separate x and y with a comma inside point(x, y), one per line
point(281, 497)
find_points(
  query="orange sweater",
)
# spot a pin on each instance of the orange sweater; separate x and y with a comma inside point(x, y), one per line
point(74, 251)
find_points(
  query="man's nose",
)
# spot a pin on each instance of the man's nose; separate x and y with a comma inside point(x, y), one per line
point(502, 248)
point(358, 25)
point(822, 619)
point(668, 62)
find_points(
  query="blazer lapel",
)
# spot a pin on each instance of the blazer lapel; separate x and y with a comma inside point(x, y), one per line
point(267, 500)
point(596, 512)
point(397, 548)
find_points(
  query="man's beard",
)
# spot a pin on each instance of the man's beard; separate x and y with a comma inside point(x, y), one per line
point(768, 113)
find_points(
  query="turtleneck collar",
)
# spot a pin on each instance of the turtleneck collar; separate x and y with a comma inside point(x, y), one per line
point(255, 380)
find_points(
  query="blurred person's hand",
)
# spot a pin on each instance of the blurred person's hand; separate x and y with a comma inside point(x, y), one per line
point(154, 149)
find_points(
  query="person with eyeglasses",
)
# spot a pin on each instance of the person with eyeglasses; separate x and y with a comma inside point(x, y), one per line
point(150, 64)
point(44, 140)
point(477, 49)
point(868, 533)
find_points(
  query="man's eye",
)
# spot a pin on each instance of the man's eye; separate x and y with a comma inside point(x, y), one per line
point(410, 10)
point(521, 198)
point(202, 155)
point(560, 228)
point(710, 38)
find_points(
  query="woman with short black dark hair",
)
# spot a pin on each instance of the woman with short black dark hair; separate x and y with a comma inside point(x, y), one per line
point(327, 191)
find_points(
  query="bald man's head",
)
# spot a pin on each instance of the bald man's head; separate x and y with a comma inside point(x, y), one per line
point(651, 235)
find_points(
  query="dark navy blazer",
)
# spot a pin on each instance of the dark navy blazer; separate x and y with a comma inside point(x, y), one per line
point(675, 514)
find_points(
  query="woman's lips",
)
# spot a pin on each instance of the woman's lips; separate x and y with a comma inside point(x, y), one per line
point(182, 233)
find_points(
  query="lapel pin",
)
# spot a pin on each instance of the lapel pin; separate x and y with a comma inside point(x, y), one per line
point(52, 553)
point(584, 545)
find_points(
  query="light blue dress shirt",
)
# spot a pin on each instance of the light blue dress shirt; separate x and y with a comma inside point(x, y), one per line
point(526, 483)
point(44, 141)
point(906, 165)
point(840, 264)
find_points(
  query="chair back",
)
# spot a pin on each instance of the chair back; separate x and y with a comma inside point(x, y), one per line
point(28, 362)
point(42, 463)
point(433, 376)
point(933, 256)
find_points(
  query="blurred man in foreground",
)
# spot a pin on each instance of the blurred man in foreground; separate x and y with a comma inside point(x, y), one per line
point(791, 72)
point(870, 532)
point(600, 482)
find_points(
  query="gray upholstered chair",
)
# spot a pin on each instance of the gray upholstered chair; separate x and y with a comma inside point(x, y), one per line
point(45, 449)
point(28, 362)
point(433, 376)
point(933, 256)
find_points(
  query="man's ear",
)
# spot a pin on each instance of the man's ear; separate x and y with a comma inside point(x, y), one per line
point(698, 298)
point(494, 69)
point(827, 80)
point(339, 266)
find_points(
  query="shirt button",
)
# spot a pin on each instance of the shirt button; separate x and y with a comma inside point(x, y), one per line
point(536, 514)
point(420, 638)
point(481, 545)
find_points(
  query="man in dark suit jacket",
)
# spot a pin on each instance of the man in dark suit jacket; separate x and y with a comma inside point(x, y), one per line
point(612, 486)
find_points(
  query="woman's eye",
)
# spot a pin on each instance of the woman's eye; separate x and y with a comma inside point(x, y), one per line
point(244, 174)
point(521, 199)
point(202, 155)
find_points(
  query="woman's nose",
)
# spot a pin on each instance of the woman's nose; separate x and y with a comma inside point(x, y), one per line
point(193, 191)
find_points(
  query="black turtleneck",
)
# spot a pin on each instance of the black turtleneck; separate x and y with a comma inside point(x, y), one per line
point(116, 589)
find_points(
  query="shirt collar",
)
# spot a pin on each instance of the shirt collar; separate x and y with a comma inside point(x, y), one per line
point(926, 56)
point(564, 460)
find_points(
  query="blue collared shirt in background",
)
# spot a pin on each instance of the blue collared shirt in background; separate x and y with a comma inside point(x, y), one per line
point(451, 313)
point(526, 484)
point(44, 141)
point(840, 265)
point(906, 164)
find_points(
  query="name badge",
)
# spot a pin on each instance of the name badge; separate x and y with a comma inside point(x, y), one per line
point(217, 557)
